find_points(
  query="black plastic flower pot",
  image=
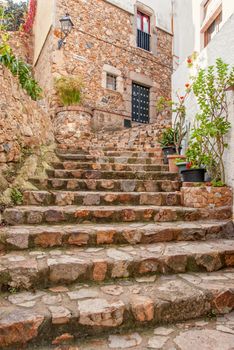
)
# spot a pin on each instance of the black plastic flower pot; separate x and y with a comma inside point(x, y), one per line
point(193, 175)
point(168, 151)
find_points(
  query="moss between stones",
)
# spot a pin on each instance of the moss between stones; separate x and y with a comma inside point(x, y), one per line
point(5, 278)
point(18, 175)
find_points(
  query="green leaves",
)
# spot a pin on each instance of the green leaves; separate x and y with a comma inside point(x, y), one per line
point(20, 69)
point(207, 142)
point(175, 135)
point(167, 138)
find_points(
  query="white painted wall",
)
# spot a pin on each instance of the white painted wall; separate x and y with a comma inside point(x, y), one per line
point(43, 22)
point(222, 45)
point(162, 9)
point(187, 23)
point(163, 12)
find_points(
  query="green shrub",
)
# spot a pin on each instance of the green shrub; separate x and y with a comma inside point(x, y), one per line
point(20, 69)
point(168, 137)
point(69, 90)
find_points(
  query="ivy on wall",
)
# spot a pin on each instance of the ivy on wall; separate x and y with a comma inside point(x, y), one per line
point(27, 26)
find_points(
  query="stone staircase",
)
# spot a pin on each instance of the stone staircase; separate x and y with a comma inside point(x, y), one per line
point(106, 247)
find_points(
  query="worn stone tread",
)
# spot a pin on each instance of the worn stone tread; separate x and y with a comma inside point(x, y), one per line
point(63, 148)
point(24, 237)
point(104, 214)
point(44, 268)
point(101, 198)
point(42, 316)
point(104, 159)
point(122, 185)
point(133, 153)
point(102, 174)
point(203, 333)
point(106, 166)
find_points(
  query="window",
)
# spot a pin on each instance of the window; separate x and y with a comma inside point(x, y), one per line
point(212, 29)
point(111, 82)
point(143, 22)
point(143, 31)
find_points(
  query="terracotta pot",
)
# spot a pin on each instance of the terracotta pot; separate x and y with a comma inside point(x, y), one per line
point(173, 168)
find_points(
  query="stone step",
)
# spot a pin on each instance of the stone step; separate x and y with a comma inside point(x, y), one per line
point(133, 154)
point(103, 159)
point(108, 148)
point(43, 269)
point(192, 334)
point(25, 237)
point(62, 198)
point(105, 214)
point(115, 153)
point(117, 175)
point(72, 165)
point(111, 185)
point(42, 316)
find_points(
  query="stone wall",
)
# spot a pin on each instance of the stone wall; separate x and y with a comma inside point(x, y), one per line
point(72, 124)
point(194, 196)
point(21, 44)
point(104, 36)
point(23, 125)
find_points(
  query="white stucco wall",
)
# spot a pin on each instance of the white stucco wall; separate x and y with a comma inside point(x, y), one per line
point(43, 22)
point(162, 9)
point(222, 45)
point(187, 24)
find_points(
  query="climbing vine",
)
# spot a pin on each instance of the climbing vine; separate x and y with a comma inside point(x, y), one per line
point(27, 26)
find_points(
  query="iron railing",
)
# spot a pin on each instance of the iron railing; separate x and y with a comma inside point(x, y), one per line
point(143, 40)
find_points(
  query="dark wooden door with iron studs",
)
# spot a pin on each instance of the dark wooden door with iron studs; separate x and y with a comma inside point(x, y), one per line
point(140, 103)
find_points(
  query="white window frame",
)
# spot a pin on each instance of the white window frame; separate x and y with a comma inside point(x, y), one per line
point(107, 69)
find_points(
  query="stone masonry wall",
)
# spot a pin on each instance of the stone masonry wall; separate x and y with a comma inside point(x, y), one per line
point(104, 38)
point(205, 196)
point(21, 44)
point(23, 124)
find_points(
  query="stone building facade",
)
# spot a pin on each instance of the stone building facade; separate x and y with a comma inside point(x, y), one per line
point(103, 50)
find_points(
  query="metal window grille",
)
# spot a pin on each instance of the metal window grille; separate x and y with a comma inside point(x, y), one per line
point(111, 82)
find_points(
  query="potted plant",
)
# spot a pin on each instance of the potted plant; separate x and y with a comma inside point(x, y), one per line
point(167, 143)
point(195, 170)
point(72, 120)
point(164, 107)
point(181, 163)
point(179, 126)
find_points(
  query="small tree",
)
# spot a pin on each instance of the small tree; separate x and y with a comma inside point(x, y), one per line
point(179, 121)
point(174, 135)
point(207, 143)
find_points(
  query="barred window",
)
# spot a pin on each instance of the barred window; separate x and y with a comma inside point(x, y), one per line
point(111, 82)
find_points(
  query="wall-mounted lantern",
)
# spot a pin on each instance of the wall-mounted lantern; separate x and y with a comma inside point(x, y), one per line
point(66, 27)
